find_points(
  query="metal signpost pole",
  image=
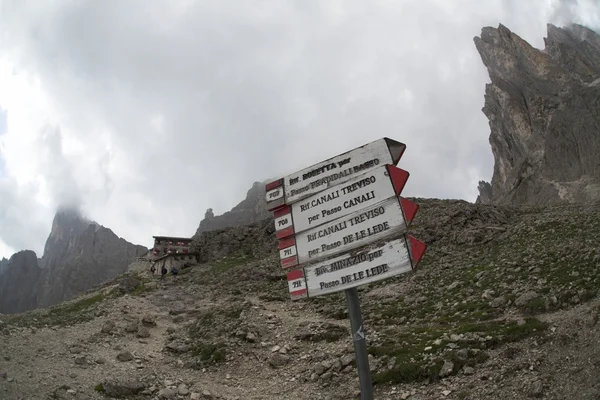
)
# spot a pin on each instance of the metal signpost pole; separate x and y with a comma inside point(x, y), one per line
point(360, 344)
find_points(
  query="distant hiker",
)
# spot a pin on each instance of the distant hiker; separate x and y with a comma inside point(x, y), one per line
point(163, 272)
point(153, 269)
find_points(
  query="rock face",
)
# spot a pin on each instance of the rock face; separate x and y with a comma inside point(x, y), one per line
point(17, 286)
point(252, 209)
point(3, 265)
point(543, 108)
point(255, 240)
point(78, 255)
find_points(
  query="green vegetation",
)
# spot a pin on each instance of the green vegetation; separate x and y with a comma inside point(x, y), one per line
point(209, 353)
point(209, 330)
point(147, 285)
point(69, 313)
point(538, 262)
point(99, 388)
point(420, 352)
point(234, 260)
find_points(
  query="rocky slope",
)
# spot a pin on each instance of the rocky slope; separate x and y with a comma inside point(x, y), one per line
point(253, 208)
point(78, 255)
point(503, 305)
point(543, 108)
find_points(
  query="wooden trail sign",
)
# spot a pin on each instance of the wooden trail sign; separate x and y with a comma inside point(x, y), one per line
point(384, 219)
point(369, 264)
point(333, 171)
point(340, 200)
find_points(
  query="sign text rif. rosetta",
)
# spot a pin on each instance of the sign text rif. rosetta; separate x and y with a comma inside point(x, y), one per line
point(333, 171)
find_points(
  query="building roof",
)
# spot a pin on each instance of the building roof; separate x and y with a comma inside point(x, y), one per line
point(173, 238)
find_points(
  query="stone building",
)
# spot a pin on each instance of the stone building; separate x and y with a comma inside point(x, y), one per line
point(164, 245)
point(168, 251)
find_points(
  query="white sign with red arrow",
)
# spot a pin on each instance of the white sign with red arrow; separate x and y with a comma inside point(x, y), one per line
point(338, 201)
point(381, 220)
point(333, 171)
point(369, 264)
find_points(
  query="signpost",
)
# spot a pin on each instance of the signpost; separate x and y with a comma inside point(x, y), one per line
point(341, 223)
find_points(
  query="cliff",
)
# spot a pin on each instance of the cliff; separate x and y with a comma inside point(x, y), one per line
point(543, 108)
point(252, 209)
point(3, 265)
point(78, 255)
point(17, 285)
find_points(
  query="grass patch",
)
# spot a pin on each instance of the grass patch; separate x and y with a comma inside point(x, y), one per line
point(207, 353)
point(143, 289)
point(505, 332)
point(231, 261)
point(414, 363)
point(69, 313)
point(209, 330)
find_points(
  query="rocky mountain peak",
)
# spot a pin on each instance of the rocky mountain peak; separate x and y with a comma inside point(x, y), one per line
point(3, 265)
point(543, 109)
point(67, 224)
point(252, 209)
point(79, 254)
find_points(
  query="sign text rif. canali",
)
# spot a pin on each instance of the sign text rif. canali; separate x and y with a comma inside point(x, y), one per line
point(335, 170)
point(371, 264)
point(362, 191)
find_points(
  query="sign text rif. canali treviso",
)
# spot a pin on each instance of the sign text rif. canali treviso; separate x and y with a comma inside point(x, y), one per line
point(384, 219)
point(359, 192)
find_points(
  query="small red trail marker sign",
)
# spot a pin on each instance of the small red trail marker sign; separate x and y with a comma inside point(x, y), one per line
point(341, 223)
point(333, 171)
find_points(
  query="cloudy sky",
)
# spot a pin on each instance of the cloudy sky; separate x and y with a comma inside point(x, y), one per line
point(144, 113)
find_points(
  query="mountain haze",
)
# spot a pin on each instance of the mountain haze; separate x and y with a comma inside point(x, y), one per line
point(78, 255)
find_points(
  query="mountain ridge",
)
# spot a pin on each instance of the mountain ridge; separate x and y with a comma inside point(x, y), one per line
point(543, 108)
point(78, 254)
point(251, 209)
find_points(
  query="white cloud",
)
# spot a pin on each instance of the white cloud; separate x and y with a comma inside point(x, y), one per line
point(146, 113)
point(4, 249)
